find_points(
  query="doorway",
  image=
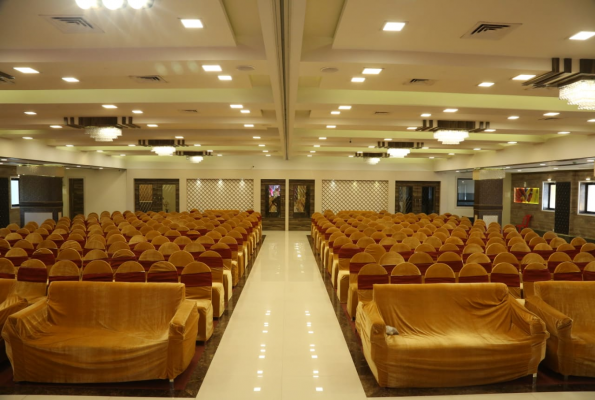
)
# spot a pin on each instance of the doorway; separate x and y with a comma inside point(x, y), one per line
point(301, 204)
point(417, 197)
point(157, 195)
point(76, 196)
point(273, 204)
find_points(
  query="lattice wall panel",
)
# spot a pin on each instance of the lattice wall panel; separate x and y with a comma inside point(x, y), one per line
point(220, 194)
point(354, 195)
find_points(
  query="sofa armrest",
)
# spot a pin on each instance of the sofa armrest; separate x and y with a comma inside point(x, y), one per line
point(373, 324)
point(185, 321)
point(524, 319)
point(11, 305)
point(26, 323)
point(558, 324)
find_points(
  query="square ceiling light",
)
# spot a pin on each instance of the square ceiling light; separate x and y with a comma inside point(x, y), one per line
point(192, 23)
point(583, 35)
point(486, 84)
point(70, 79)
point(212, 68)
point(357, 79)
point(393, 26)
point(523, 77)
point(26, 70)
point(371, 71)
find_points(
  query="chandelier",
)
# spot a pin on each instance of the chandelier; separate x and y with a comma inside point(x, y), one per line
point(581, 94)
point(195, 159)
point(398, 153)
point(164, 150)
point(105, 134)
point(451, 136)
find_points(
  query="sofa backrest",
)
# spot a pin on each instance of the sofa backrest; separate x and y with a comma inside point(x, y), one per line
point(573, 299)
point(147, 307)
point(440, 309)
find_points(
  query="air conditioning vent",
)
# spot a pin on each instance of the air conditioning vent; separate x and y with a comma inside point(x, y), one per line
point(4, 81)
point(73, 24)
point(420, 82)
point(490, 30)
point(329, 70)
point(148, 79)
point(245, 68)
point(190, 111)
point(549, 119)
point(381, 113)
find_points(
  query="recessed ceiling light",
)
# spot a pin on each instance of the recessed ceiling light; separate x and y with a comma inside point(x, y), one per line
point(122, 155)
point(70, 79)
point(30, 113)
point(523, 77)
point(556, 168)
point(344, 107)
point(137, 111)
point(425, 148)
point(309, 155)
point(100, 151)
point(248, 125)
point(331, 126)
point(477, 148)
point(426, 115)
point(412, 128)
point(335, 112)
point(451, 110)
point(27, 138)
point(179, 137)
point(69, 145)
point(563, 133)
point(26, 70)
point(312, 151)
point(512, 142)
point(212, 68)
point(131, 145)
point(583, 35)
point(489, 130)
point(371, 71)
point(591, 120)
point(109, 106)
point(451, 154)
point(430, 157)
point(267, 155)
point(590, 160)
point(551, 114)
point(197, 145)
point(542, 165)
point(371, 147)
point(152, 125)
point(387, 139)
point(513, 117)
point(255, 137)
point(236, 106)
point(519, 170)
point(316, 145)
point(55, 126)
point(393, 26)
point(357, 79)
point(192, 23)
point(261, 145)
point(486, 84)
point(245, 111)
point(322, 138)
point(265, 151)
point(225, 77)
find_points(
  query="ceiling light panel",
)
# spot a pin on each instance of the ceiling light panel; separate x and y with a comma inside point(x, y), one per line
point(26, 70)
point(357, 79)
point(344, 107)
point(523, 77)
point(486, 84)
point(371, 71)
point(212, 68)
point(70, 80)
point(393, 26)
point(225, 77)
point(583, 35)
point(551, 114)
point(451, 110)
point(192, 23)
point(237, 106)
point(109, 106)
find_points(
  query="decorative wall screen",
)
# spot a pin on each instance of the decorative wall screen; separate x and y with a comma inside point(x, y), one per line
point(354, 195)
point(220, 194)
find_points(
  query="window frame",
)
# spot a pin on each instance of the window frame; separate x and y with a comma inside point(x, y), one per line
point(583, 198)
point(549, 185)
point(457, 193)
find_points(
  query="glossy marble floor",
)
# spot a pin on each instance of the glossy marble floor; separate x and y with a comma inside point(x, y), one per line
point(283, 340)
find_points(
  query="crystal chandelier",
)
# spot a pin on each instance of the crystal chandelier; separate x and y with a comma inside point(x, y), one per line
point(451, 136)
point(107, 134)
point(398, 153)
point(581, 94)
point(164, 150)
point(195, 159)
point(372, 160)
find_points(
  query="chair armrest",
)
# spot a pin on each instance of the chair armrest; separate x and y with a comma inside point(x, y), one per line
point(185, 321)
point(373, 324)
point(558, 324)
point(530, 323)
point(26, 323)
point(11, 305)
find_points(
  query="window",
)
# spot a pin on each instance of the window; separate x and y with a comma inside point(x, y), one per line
point(587, 198)
point(465, 192)
point(14, 192)
point(548, 201)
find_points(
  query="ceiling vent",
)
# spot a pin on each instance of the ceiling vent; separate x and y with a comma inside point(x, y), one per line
point(381, 113)
point(420, 82)
point(245, 68)
point(148, 79)
point(73, 24)
point(549, 118)
point(490, 30)
point(189, 111)
point(329, 70)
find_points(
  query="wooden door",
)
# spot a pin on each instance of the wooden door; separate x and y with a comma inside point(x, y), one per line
point(417, 197)
point(76, 196)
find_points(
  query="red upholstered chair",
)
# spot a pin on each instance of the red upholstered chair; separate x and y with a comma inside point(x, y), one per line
point(98, 271)
point(509, 275)
point(567, 271)
point(198, 280)
point(534, 272)
point(473, 273)
point(405, 273)
point(162, 271)
point(130, 271)
point(524, 223)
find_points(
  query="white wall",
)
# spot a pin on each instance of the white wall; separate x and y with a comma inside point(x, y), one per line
point(105, 190)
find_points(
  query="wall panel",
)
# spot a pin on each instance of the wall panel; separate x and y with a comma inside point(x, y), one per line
point(340, 195)
point(220, 194)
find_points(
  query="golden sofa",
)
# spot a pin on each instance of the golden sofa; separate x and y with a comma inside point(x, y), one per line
point(568, 309)
point(103, 332)
point(449, 335)
point(10, 303)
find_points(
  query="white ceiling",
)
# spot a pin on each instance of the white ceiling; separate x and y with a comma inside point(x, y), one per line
point(342, 34)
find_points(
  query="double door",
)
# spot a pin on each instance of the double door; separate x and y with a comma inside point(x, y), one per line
point(417, 197)
point(156, 195)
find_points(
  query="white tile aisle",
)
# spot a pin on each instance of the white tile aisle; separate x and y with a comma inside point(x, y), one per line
point(283, 340)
